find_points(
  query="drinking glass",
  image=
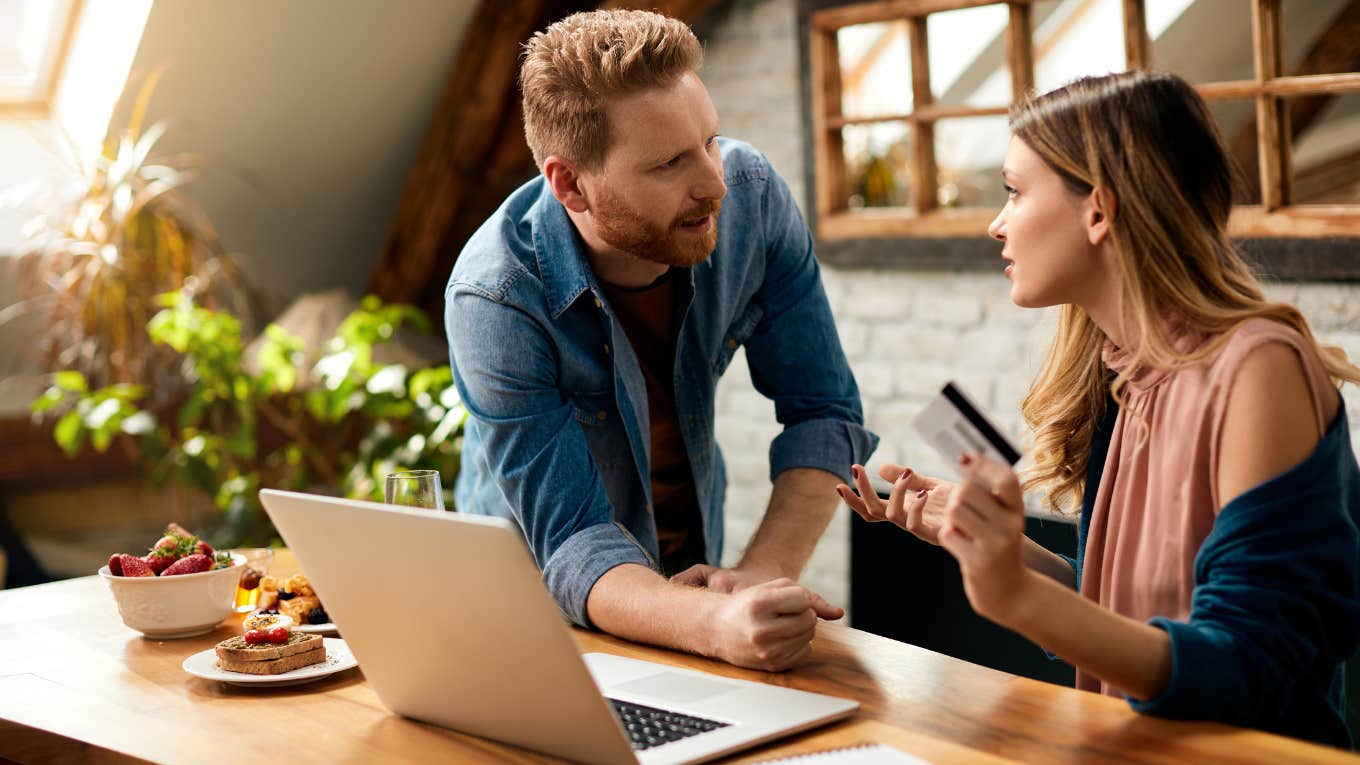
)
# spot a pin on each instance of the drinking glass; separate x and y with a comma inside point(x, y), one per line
point(256, 566)
point(414, 488)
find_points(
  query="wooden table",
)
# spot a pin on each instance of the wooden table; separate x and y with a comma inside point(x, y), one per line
point(78, 686)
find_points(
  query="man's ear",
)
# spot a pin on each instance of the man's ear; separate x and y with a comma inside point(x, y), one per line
point(1101, 208)
point(565, 181)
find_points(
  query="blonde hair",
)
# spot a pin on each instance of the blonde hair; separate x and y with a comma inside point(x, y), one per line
point(573, 67)
point(1150, 141)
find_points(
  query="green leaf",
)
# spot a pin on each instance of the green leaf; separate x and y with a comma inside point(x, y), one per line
point(69, 433)
point(139, 423)
point(391, 379)
point(125, 392)
point(47, 401)
point(98, 417)
point(71, 381)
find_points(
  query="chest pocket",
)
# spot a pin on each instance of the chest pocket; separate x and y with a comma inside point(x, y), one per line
point(592, 409)
point(736, 335)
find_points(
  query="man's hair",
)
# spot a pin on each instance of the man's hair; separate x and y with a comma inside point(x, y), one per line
point(573, 67)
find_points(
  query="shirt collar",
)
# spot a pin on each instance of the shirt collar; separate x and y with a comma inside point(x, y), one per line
point(561, 257)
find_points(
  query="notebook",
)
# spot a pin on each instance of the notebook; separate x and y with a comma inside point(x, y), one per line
point(865, 754)
point(451, 624)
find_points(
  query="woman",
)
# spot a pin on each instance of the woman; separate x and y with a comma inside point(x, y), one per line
point(1197, 423)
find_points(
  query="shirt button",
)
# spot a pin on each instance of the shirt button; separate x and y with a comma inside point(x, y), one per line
point(602, 415)
point(649, 510)
point(598, 304)
point(731, 343)
point(606, 349)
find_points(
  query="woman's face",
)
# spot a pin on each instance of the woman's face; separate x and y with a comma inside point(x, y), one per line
point(1046, 232)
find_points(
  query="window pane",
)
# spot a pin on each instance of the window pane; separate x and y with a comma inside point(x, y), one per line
point(875, 69)
point(968, 156)
point(878, 165)
point(1077, 38)
point(968, 56)
point(1202, 40)
point(1326, 148)
point(1236, 120)
point(1319, 36)
point(30, 35)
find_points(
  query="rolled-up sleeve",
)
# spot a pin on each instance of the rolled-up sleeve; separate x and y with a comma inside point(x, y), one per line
point(505, 368)
point(795, 353)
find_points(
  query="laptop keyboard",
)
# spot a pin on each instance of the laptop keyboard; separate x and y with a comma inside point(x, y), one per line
point(648, 726)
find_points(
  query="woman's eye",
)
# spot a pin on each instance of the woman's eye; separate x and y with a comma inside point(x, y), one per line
point(1010, 190)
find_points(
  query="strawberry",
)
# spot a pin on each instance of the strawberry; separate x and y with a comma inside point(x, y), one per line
point(203, 548)
point(189, 564)
point(176, 530)
point(134, 566)
point(158, 562)
point(166, 545)
point(115, 565)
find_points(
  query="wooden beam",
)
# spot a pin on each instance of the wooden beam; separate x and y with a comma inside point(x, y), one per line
point(1020, 50)
point(1301, 84)
point(1137, 50)
point(1272, 137)
point(931, 113)
point(828, 143)
point(474, 153)
point(886, 10)
point(922, 133)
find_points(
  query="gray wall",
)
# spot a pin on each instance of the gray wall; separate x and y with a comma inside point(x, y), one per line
point(309, 114)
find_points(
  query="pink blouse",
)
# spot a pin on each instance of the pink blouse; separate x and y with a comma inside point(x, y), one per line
point(1158, 496)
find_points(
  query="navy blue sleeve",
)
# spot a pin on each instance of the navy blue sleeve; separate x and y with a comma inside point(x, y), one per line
point(1276, 606)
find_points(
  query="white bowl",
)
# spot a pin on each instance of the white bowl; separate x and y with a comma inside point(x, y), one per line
point(176, 606)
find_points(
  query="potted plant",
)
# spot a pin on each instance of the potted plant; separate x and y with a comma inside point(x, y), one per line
point(340, 428)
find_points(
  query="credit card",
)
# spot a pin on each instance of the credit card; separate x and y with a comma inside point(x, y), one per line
point(955, 426)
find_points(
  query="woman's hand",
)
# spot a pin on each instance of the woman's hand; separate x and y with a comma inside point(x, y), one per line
point(984, 528)
point(916, 503)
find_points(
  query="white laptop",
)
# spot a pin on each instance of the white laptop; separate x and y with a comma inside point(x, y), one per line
point(451, 624)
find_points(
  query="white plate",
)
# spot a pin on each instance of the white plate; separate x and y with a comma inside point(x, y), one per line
point(327, 628)
point(338, 659)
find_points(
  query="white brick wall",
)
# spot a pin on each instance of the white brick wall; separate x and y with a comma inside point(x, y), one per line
point(904, 333)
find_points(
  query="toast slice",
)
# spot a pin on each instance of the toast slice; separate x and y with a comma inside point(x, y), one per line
point(236, 649)
point(275, 666)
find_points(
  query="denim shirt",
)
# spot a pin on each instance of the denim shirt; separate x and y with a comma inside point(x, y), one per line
point(557, 437)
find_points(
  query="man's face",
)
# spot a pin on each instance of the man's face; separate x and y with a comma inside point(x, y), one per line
point(660, 188)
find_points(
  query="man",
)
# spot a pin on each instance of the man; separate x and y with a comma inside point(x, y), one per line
point(589, 320)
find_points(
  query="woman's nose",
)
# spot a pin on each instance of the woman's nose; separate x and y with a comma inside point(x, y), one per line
point(997, 230)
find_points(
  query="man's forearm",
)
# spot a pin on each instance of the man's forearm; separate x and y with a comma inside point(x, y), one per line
point(636, 603)
point(801, 505)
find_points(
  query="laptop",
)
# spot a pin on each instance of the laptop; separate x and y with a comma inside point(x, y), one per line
point(451, 624)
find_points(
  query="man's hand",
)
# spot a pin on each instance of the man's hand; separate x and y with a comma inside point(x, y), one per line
point(722, 579)
point(768, 626)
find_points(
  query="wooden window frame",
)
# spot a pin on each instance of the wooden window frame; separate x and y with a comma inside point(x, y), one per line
point(1275, 217)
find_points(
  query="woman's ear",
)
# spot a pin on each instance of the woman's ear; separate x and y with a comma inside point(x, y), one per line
point(565, 182)
point(1101, 208)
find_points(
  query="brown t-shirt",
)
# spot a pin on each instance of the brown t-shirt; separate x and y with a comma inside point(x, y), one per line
point(650, 319)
